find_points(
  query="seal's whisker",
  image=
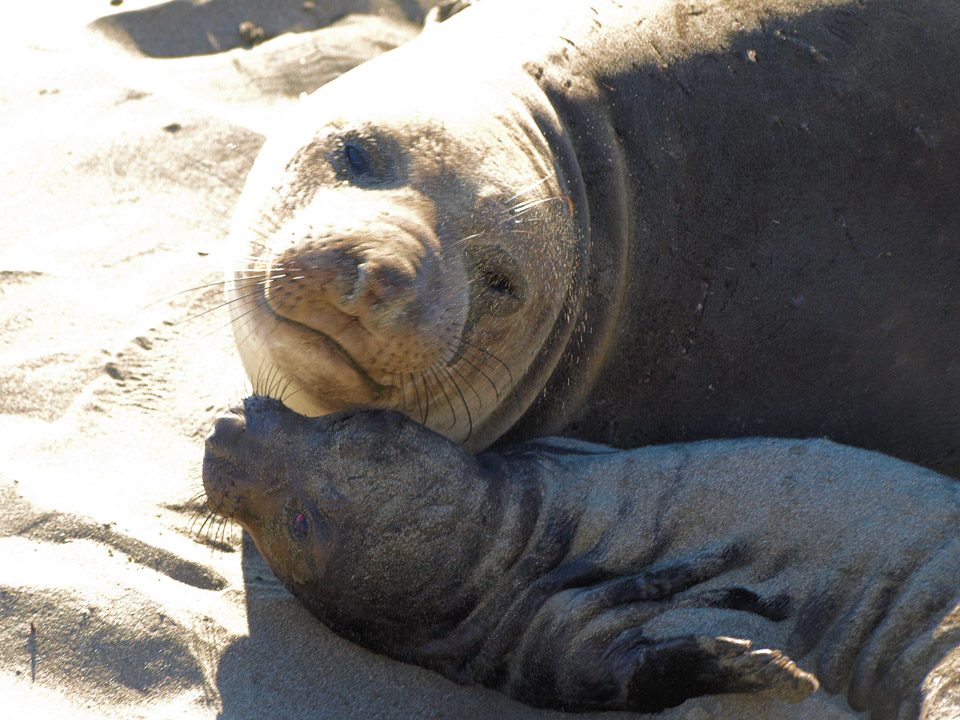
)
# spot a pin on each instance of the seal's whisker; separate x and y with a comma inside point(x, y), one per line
point(470, 237)
point(263, 374)
point(288, 290)
point(261, 272)
point(206, 520)
point(220, 536)
point(286, 397)
point(193, 523)
point(254, 306)
point(257, 380)
point(454, 368)
point(526, 207)
point(195, 517)
point(394, 404)
point(252, 260)
point(403, 392)
point(416, 390)
point(458, 354)
point(281, 385)
point(463, 400)
point(389, 380)
point(211, 537)
point(426, 397)
point(396, 379)
point(489, 354)
point(259, 278)
point(531, 187)
point(479, 369)
point(445, 396)
point(282, 395)
point(247, 283)
point(251, 263)
point(397, 402)
point(274, 303)
point(252, 281)
point(195, 498)
point(267, 383)
point(214, 529)
point(229, 524)
point(276, 380)
point(253, 326)
point(273, 382)
point(483, 357)
point(218, 328)
point(224, 304)
point(212, 518)
point(182, 292)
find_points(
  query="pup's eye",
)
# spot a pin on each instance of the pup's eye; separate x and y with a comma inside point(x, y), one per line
point(300, 526)
point(357, 158)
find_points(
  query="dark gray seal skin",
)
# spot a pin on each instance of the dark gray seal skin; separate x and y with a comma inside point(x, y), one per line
point(628, 222)
point(571, 575)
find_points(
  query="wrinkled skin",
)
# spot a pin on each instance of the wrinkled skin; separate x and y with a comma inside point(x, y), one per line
point(630, 222)
point(571, 575)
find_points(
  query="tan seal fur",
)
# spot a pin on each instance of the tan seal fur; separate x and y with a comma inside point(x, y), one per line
point(394, 289)
point(626, 222)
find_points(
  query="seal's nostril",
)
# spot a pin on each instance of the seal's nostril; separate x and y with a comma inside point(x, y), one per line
point(227, 432)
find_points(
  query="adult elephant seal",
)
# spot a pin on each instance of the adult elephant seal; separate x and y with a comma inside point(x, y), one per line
point(574, 576)
point(631, 222)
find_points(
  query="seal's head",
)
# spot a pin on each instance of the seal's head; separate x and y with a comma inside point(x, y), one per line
point(361, 515)
point(408, 242)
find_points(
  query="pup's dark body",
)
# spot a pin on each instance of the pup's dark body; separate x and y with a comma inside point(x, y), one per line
point(573, 576)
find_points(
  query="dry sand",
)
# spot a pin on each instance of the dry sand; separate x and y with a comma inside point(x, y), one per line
point(124, 148)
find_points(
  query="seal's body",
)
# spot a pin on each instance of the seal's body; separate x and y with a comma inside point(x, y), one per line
point(630, 222)
point(571, 575)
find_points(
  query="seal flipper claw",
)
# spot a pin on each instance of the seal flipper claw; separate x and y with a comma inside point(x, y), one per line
point(664, 673)
point(777, 673)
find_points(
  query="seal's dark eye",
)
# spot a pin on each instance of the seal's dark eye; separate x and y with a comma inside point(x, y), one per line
point(497, 286)
point(498, 282)
point(357, 158)
point(300, 526)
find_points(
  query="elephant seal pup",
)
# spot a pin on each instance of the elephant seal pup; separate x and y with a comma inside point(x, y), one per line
point(629, 222)
point(571, 575)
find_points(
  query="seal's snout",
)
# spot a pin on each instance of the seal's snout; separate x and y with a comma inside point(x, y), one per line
point(232, 466)
point(226, 435)
point(383, 291)
point(377, 284)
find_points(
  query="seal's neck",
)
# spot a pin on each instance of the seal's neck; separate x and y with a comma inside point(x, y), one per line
point(589, 155)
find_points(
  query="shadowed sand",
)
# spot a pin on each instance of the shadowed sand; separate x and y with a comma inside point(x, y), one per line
point(126, 144)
